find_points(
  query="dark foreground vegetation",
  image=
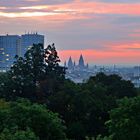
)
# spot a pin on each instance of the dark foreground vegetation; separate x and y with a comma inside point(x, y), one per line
point(38, 103)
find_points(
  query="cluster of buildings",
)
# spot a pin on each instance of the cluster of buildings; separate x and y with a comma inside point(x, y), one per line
point(71, 65)
point(12, 45)
point(77, 72)
point(81, 72)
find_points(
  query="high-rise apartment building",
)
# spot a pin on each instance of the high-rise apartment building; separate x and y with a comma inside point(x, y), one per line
point(9, 47)
point(28, 40)
point(12, 45)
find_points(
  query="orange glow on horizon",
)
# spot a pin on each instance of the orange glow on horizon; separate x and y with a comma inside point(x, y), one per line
point(123, 54)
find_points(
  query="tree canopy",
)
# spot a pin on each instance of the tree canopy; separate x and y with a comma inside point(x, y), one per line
point(38, 73)
point(22, 119)
point(124, 123)
point(83, 108)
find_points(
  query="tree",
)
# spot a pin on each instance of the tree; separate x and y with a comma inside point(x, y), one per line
point(26, 72)
point(104, 138)
point(114, 84)
point(35, 76)
point(18, 135)
point(84, 110)
point(55, 74)
point(124, 123)
point(7, 86)
point(26, 120)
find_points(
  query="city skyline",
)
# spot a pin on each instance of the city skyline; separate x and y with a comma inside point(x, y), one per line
point(104, 31)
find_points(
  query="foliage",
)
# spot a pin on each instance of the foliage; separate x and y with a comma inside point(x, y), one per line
point(83, 107)
point(83, 110)
point(30, 121)
point(18, 135)
point(99, 137)
point(55, 74)
point(138, 91)
point(22, 79)
point(124, 123)
point(114, 84)
point(7, 86)
point(37, 74)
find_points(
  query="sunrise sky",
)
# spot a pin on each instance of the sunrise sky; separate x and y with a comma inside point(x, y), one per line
point(104, 31)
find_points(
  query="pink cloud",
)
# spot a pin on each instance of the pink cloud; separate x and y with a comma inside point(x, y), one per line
point(75, 8)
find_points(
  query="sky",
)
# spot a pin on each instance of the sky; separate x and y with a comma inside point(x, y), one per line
point(106, 32)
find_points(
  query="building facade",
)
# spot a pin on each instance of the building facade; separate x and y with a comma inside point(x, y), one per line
point(12, 45)
point(70, 64)
point(81, 62)
point(137, 71)
point(27, 40)
point(9, 47)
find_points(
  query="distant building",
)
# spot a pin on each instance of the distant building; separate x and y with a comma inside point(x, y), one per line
point(77, 72)
point(136, 76)
point(137, 71)
point(9, 47)
point(12, 45)
point(28, 40)
point(81, 62)
point(72, 64)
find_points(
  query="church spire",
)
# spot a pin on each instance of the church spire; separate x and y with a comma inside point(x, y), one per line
point(81, 61)
point(70, 63)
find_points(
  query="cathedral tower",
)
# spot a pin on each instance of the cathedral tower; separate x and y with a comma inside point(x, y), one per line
point(81, 62)
point(70, 63)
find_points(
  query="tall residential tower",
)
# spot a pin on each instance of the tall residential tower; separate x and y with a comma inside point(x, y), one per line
point(9, 47)
point(12, 45)
point(27, 40)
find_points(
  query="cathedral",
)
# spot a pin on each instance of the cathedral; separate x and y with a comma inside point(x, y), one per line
point(71, 65)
